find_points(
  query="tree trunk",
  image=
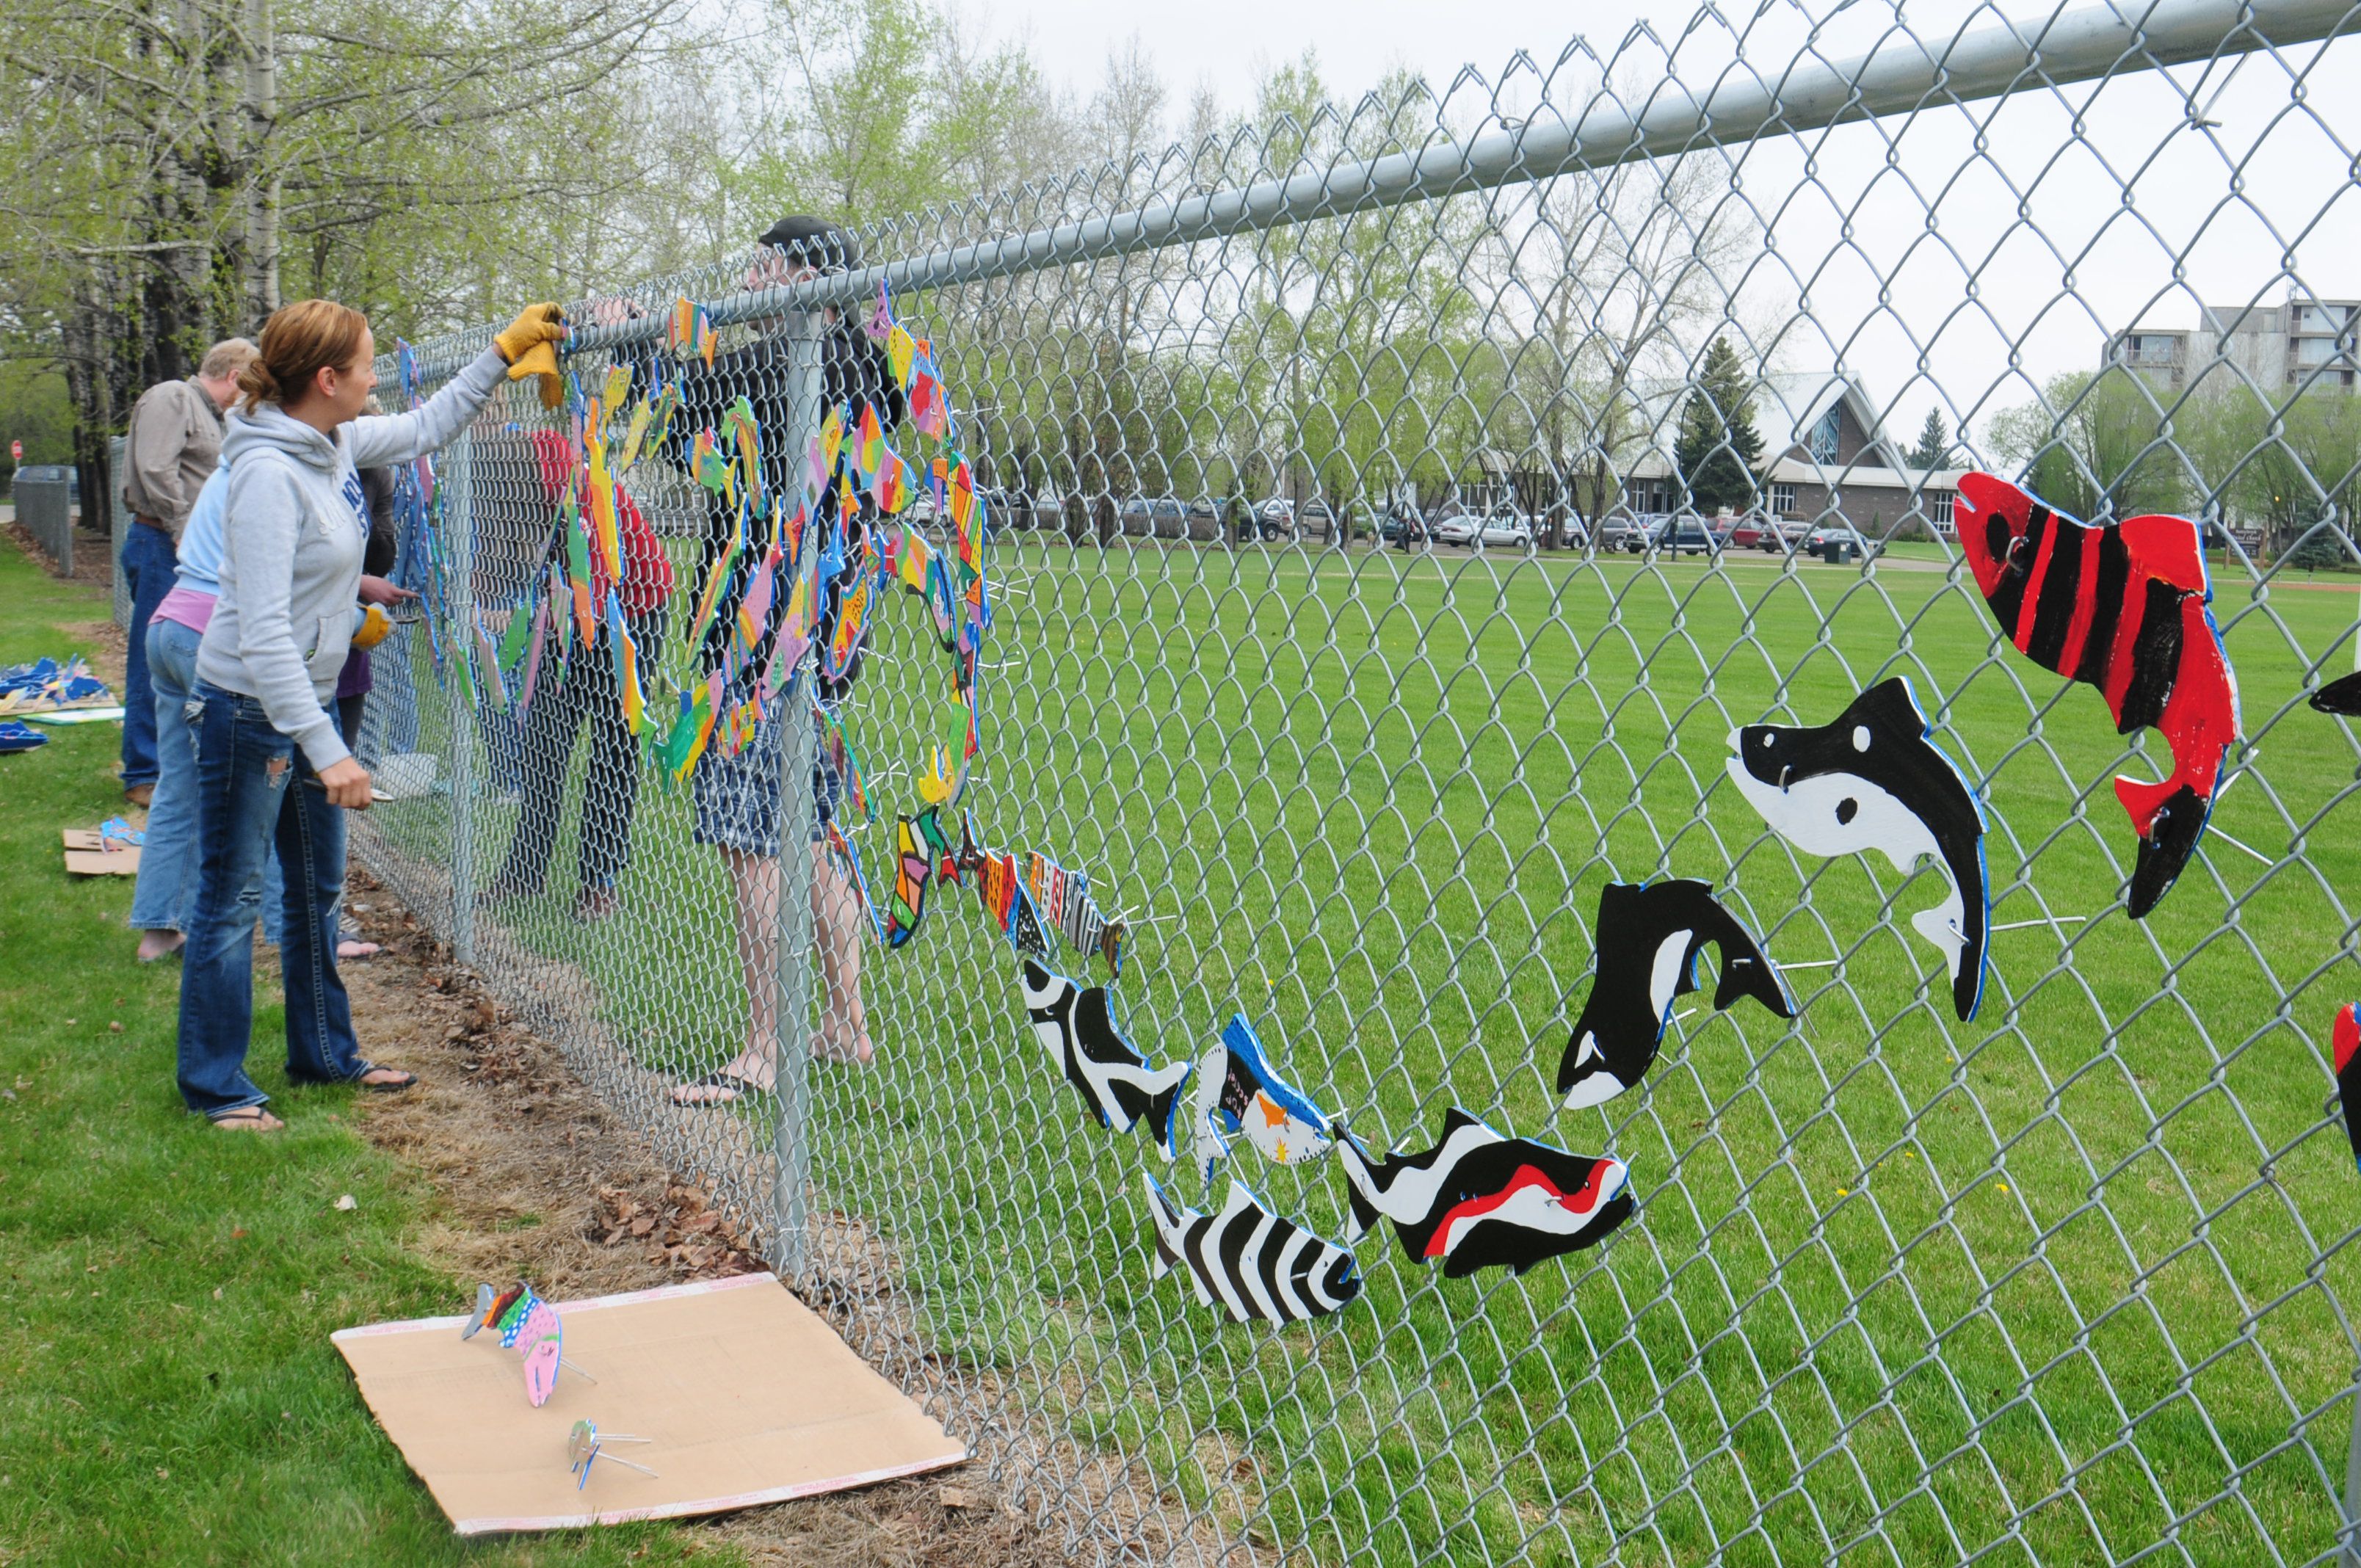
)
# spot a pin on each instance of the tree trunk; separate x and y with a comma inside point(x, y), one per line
point(262, 177)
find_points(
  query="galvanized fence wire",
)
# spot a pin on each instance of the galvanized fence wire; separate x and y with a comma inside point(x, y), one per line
point(2065, 1284)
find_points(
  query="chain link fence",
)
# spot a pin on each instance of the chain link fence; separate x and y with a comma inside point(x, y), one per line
point(1358, 613)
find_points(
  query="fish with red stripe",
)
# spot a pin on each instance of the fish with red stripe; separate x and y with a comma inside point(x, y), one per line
point(2122, 607)
point(1480, 1198)
point(2345, 1040)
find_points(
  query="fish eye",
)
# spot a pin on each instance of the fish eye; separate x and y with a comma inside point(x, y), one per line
point(1768, 737)
point(1860, 737)
point(1847, 809)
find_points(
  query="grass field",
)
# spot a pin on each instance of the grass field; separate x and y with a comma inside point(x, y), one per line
point(168, 1392)
point(2056, 1285)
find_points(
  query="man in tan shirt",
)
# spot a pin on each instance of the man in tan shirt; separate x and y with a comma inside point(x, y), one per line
point(173, 443)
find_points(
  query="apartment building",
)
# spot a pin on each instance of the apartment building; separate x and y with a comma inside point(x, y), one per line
point(2303, 342)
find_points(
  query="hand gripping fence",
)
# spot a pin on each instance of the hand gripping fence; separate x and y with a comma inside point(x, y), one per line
point(1364, 603)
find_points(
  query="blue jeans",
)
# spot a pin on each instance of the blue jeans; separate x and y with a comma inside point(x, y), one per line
point(167, 889)
point(254, 786)
point(148, 567)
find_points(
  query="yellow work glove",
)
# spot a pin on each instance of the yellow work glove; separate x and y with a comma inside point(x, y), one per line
point(534, 324)
point(375, 628)
point(540, 360)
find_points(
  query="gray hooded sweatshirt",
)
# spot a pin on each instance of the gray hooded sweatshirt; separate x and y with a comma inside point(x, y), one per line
point(295, 526)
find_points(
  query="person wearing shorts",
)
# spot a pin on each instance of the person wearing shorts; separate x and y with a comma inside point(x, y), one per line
point(739, 795)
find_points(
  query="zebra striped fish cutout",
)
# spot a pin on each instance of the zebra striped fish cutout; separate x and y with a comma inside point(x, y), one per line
point(1248, 1261)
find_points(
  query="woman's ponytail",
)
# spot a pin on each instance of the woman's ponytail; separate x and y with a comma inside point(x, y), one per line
point(299, 341)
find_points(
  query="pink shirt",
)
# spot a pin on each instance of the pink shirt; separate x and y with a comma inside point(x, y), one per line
point(191, 607)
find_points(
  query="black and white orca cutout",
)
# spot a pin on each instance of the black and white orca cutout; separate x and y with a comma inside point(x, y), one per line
point(1649, 938)
point(1873, 781)
point(1482, 1200)
point(1077, 1027)
point(1247, 1261)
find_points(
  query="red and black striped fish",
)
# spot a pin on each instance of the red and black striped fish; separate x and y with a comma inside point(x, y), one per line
point(2345, 1040)
point(2122, 605)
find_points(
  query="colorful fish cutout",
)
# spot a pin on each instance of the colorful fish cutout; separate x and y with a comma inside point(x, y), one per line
point(540, 619)
point(712, 468)
point(488, 657)
point(2122, 605)
point(627, 666)
point(901, 353)
point(617, 387)
point(890, 487)
point(1648, 940)
point(1482, 1200)
point(930, 407)
point(1077, 1027)
point(517, 633)
point(578, 577)
point(2341, 697)
point(1239, 1093)
point(831, 445)
point(749, 446)
point(717, 579)
point(1247, 1261)
point(699, 710)
point(1063, 898)
point(542, 1343)
point(851, 627)
point(869, 448)
point(754, 606)
point(912, 869)
point(1870, 780)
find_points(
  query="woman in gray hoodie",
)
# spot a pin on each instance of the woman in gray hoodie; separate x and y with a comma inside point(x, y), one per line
point(271, 762)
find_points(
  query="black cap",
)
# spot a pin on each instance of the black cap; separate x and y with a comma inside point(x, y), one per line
point(815, 242)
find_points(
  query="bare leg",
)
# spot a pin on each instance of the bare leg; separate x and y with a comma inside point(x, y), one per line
point(838, 921)
point(754, 913)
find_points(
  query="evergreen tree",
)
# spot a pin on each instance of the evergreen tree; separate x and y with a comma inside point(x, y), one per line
point(1934, 448)
point(1717, 449)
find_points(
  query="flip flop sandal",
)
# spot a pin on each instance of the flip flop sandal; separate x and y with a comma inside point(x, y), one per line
point(248, 1118)
point(738, 1088)
point(406, 1080)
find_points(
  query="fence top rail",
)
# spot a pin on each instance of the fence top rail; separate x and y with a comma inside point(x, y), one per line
point(1902, 74)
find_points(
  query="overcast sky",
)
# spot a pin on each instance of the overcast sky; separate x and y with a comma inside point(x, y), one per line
point(2298, 197)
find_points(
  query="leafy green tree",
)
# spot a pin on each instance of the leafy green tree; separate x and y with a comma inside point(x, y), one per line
point(1718, 449)
point(2093, 446)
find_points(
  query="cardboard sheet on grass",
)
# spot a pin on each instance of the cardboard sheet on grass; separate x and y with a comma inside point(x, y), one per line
point(87, 855)
point(749, 1396)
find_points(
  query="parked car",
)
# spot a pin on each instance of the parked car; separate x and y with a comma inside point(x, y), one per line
point(1317, 518)
point(1160, 517)
point(1748, 532)
point(1277, 518)
point(1456, 527)
point(1009, 509)
point(1681, 536)
point(50, 473)
point(1783, 536)
point(1621, 533)
point(1506, 528)
point(1835, 544)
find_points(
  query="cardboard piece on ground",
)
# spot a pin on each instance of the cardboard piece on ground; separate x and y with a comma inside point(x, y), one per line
point(94, 862)
point(749, 1396)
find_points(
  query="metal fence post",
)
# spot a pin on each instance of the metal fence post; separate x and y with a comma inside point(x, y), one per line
point(459, 536)
point(791, 1138)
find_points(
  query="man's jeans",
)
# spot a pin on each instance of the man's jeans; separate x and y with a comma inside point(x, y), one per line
point(253, 785)
point(148, 567)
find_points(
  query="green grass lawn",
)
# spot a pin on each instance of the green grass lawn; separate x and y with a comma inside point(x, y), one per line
point(2058, 1284)
point(168, 1392)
